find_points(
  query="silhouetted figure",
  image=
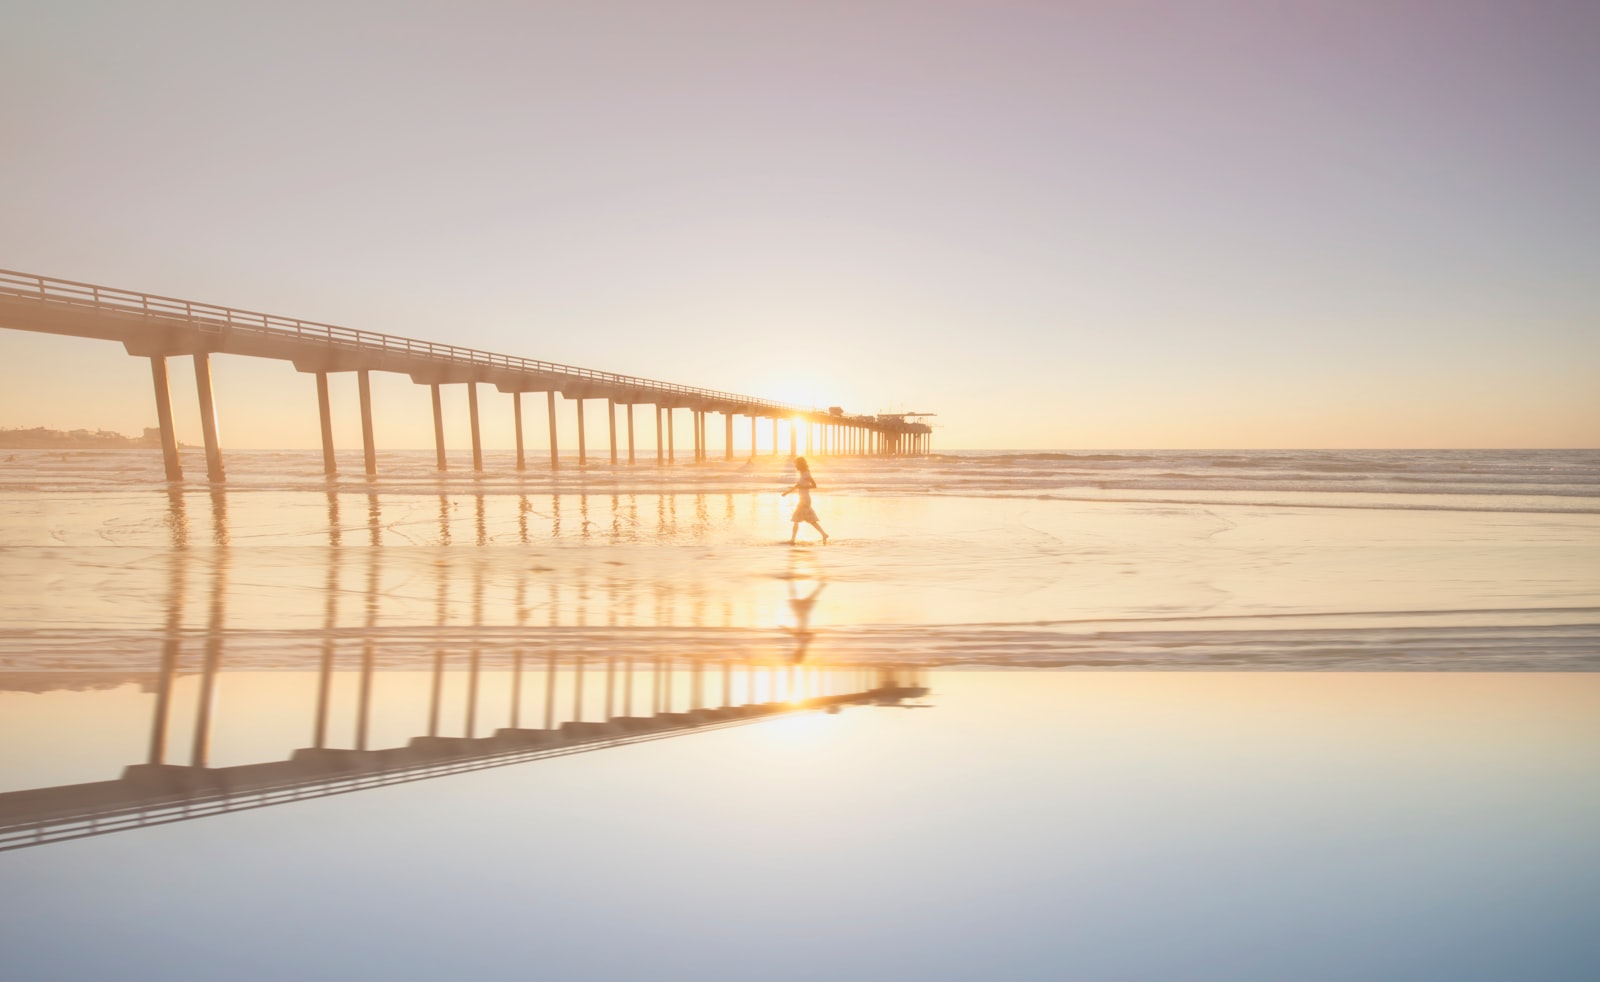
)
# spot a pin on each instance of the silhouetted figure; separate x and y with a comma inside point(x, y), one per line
point(803, 512)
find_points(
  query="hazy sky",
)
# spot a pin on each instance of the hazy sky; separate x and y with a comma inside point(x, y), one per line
point(1057, 224)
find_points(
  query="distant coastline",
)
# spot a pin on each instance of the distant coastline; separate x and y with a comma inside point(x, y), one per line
point(40, 438)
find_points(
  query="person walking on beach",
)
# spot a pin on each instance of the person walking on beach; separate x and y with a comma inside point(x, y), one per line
point(803, 512)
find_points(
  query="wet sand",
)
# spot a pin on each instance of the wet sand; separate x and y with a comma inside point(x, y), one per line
point(91, 578)
point(1401, 785)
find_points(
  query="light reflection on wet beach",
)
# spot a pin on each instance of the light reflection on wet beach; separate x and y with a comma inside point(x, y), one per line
point(988, 580)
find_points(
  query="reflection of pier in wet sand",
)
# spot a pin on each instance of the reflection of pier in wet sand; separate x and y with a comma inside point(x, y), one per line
point(425, 695)
point(158, 792)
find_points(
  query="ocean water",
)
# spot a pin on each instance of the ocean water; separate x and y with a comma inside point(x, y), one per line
point(1212, 716)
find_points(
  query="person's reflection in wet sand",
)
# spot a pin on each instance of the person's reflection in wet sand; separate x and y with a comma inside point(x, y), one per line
point(801, 605)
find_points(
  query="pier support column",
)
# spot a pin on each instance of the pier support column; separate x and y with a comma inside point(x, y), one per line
point(727, 446)
point(794, 436)
point(364, 693)
point(696, 430)
point(208, 416)
point(200, 748)
point(550, 402)
point(672, 451)
point(438, 428)
point(583, 439)
point(659, 454)
point(611, 424)
point(630, 431)
point(473, 664)
point(330, 466)
point(169, 437)
point(369, 449)
point(774, 436)
point(171, 646)
point(550, 691)
point(472, 416)
point(436, 693)
point(319, 729)
point(516, 689)
point(516, 415)
point(752, 437)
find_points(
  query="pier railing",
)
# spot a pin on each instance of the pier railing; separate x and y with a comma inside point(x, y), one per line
point(207, 318)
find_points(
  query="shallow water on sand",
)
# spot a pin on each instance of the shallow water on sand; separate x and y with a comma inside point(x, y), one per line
point(696, 557)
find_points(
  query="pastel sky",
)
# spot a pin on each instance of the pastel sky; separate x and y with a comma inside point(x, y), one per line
point(1210, 223)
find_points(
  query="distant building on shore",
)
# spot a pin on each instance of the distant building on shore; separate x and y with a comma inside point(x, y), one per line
point(40, 438)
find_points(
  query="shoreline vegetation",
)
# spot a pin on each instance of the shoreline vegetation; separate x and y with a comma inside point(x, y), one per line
point(40, 438)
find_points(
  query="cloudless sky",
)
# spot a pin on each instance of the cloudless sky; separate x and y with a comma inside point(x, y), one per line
point(1212, 223)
